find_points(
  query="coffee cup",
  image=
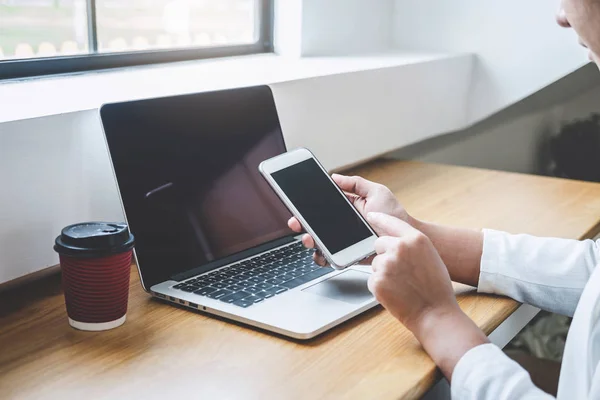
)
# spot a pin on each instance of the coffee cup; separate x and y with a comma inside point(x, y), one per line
point(95, 260)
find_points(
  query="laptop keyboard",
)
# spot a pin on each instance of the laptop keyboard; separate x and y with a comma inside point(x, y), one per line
point(255, 280)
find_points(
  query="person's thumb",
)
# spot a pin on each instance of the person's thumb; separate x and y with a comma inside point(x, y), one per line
point(386, 225)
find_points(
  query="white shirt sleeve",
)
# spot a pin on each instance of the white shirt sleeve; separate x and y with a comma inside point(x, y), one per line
point(553, 274)
point(485, 372)
point(544, 272)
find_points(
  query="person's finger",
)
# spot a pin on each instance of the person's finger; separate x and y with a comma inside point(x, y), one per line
point(352, 197)
point(376, 264)
point(308, 241)
point(371, 284)
point(384, 243)
point(367, 261)
point(386, 225)
point(354, 184)
point(320, 259)
point(295, 225)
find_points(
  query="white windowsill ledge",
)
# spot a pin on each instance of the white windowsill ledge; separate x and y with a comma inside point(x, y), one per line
point(32, 98)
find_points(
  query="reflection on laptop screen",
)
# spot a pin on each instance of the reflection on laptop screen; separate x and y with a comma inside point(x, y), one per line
point(187, 169)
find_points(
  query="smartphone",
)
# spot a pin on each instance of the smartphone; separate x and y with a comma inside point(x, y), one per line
point(304, 186)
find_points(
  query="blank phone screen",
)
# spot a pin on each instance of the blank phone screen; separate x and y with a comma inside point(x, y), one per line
point(323, 207)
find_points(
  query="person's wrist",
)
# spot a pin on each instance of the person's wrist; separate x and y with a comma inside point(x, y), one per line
point(429, 321)
point(447, 334)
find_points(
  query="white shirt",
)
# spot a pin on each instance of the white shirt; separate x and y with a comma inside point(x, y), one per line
point(556, 275)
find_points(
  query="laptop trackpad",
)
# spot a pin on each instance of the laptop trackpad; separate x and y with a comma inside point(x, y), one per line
point(350, 287)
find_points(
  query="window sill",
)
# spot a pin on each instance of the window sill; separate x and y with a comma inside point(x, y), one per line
point(38, 97)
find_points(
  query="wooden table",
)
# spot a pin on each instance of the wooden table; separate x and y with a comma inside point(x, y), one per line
point(164, 352)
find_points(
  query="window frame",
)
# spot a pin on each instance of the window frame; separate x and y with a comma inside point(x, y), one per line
point(80, 63)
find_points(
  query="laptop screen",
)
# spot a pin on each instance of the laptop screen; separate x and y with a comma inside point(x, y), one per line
point(187, 170)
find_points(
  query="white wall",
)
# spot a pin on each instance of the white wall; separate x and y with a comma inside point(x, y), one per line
point(53, 172)
point(341, 27)
point(350, 118)
point(287, 31)
point(310, 28)
point(520, 47)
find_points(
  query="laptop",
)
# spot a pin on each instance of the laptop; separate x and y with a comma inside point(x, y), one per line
point(210, 233)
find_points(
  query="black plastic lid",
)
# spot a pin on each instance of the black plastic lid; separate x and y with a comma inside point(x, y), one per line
point(94, 239)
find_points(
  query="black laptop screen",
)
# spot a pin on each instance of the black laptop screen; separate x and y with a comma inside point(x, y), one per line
point(187, 170)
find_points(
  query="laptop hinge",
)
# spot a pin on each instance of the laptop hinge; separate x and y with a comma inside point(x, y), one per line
point(233, 258)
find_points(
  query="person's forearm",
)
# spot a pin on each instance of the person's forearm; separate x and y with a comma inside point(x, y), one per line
point(447, 335)
point(460, 248)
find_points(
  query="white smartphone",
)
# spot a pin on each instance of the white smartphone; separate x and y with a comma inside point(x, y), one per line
point(322, 208)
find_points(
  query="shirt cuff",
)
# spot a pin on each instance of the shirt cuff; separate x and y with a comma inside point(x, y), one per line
point(475, 357)
point(490, 260)
point(485, 372)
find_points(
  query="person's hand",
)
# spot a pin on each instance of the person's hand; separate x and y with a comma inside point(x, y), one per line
point(367, 197)
point(409, 277)
point(411, 281)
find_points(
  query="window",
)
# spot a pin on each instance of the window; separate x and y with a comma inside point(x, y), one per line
point(40, 37)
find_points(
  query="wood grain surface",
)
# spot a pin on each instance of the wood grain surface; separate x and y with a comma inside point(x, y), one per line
point(168, 352)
